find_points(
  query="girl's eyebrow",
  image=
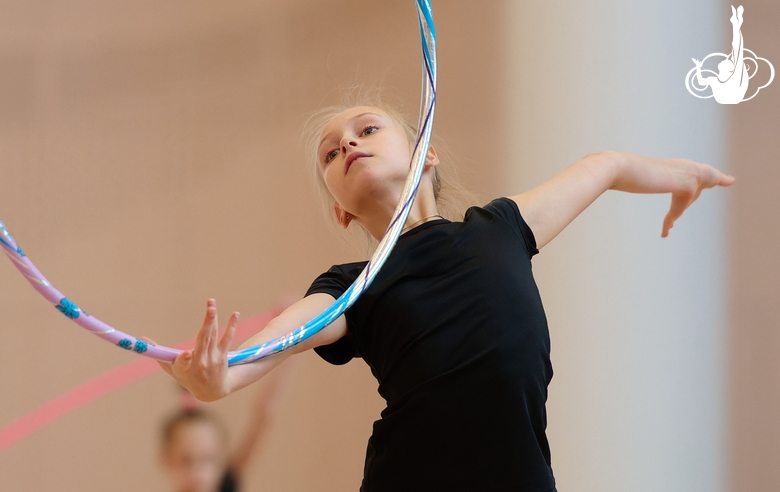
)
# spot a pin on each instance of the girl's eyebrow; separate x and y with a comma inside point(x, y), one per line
point(327, 136)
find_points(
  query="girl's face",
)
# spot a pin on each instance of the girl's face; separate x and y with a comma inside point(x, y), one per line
point(195, 458)
point(364, 157)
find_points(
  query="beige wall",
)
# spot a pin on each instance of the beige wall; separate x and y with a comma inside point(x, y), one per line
point(754, 268)
point(149, 159)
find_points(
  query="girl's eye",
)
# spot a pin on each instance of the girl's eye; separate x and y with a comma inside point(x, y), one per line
point(369, 130)
point(331, 155)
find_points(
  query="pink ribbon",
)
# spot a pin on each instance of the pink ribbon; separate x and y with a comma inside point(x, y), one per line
point(106, 383)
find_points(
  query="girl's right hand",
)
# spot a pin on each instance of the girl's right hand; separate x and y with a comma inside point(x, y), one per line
point(204, 369)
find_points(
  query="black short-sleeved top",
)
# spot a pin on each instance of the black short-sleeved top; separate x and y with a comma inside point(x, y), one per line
point(454, 330)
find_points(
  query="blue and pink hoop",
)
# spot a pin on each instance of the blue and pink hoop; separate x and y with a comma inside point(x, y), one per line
point(302, 333)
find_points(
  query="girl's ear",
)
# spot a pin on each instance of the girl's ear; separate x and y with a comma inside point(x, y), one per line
point(432, 159)
point(342, 217)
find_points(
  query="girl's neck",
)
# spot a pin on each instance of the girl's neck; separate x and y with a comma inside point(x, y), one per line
point(423, 208)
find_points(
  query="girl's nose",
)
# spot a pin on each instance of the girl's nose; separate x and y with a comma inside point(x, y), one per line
point(346, 143)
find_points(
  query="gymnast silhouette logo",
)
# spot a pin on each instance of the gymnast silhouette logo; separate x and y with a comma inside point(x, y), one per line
point(730, 84)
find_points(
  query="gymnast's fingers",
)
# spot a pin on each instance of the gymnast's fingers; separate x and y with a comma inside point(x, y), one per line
point(726, 180)
point(213, 337)
point(230, 331)
point(166, 366)
point(679, 203)
point(718, 178)
point(179, 369)
point(203, 340)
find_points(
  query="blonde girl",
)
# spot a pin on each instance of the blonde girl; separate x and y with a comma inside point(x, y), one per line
point(453, 327)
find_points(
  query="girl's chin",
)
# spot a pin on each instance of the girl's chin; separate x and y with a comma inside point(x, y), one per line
point(370, 176)
point(368, 187)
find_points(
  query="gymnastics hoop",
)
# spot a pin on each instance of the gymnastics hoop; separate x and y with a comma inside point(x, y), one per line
point(316, 324)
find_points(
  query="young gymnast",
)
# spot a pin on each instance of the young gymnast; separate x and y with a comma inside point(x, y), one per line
point(453, 326)
point(194, 448)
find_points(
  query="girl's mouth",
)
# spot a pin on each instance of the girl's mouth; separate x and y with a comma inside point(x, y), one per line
point(352, 157)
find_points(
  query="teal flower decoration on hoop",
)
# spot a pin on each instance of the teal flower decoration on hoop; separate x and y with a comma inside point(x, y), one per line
point(67, 308)
point(125, 344)
point(5, 243)
point(140, 346)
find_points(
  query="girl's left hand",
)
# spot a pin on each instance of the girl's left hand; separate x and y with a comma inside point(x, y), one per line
point(690, 178)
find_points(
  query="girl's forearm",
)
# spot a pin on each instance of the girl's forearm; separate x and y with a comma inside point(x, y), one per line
point(292, 317)
point(241, 376)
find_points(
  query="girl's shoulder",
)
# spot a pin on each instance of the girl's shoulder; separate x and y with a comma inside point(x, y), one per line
point(507, 212)
point(337, 279)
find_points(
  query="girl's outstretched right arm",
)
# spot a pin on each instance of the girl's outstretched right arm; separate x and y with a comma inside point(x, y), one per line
point(204, 370)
